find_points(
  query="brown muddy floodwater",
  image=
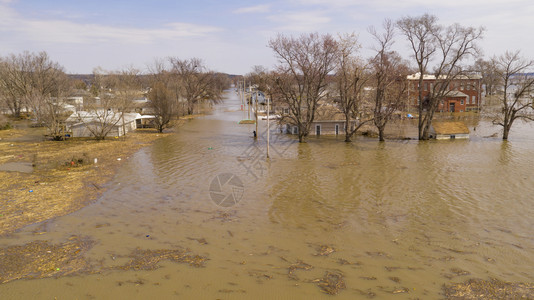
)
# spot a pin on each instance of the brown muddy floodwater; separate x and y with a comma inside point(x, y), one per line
point(394, 220)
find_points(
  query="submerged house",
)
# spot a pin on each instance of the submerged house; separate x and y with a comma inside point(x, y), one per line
point(449, 130)
point(328, 120)
point(85, 123)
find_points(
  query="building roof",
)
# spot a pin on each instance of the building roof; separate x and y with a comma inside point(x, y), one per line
point(456, 94)
point(450, 128)
point(328, 112)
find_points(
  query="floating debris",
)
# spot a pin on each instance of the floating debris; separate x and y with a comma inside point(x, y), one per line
point(368, 277)
point(455, 272)
point(325, 250)
point(201, 241)
point(489, 289)
point(300, 265)
point(225, 216)
point(459, 272)
point(40, 259)
point(369, 293)
point(331, 283)
point(394, 279)
point(149, 259)
point(345, 262)
point(377, 253)
point(400, 290)
point(391, 269)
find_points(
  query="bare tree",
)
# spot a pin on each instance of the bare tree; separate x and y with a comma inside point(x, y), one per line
point(517, 90)
point(259, 76)
point(448, 46)
point(349, 81)
point(126, 85)
point(304, 65)
point(16, 80)
point(165, 94)
point(487, 70)
point(389, 78)
point(115, 91)
point(33, 81)
point(199, 84)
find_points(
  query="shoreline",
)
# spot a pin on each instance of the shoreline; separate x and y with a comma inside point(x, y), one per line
point(67, 175)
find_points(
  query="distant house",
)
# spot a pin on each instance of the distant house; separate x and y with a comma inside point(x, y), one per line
point(464, 92)
point(75, 100)
point(449, 130)
point(84, 123)
point(145, 121)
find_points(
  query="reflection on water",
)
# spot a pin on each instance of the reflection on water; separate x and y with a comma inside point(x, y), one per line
point(397, 218)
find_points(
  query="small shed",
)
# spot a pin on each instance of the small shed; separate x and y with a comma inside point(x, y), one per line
point(449, 130)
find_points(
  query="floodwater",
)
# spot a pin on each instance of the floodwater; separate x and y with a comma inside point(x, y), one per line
point(395, 220)
point(24, 167)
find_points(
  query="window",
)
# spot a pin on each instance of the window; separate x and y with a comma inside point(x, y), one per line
point(468, 86)
point(472, 101)
point(461, 102)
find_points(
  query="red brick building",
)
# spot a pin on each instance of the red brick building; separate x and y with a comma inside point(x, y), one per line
point(464, 92)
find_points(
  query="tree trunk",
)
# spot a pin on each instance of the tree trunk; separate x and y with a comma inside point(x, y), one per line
point(506, 130)
point(381, 133)
point(348, 131)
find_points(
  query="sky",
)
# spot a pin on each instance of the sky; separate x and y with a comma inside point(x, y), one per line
point(231, 36)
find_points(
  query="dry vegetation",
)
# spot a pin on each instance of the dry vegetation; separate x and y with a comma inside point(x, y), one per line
point(65, 176)
point(41, 259)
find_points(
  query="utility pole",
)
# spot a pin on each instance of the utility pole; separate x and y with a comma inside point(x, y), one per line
point(256, 111)
point(268, 128)
point(243, 99)
point(248, 103)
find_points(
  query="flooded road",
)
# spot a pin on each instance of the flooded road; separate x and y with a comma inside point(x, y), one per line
point(394, 220)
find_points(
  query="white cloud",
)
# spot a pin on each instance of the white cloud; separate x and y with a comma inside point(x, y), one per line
point(300, 21)
point(426, 4)
point(263, 8)
point(24, 30)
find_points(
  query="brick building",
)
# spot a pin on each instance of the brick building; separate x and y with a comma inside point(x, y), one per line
point(464, 92)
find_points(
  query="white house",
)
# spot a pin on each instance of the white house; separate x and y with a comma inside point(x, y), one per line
point(84, 123)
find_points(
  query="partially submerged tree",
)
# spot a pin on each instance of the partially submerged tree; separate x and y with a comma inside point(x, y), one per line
point(349, 80)
point(517, 85)
point(448, 46)
point(388, 78)
point(198, 83)
point(304, 63)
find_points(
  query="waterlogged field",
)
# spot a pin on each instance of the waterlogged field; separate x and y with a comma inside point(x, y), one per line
point(203, 214)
